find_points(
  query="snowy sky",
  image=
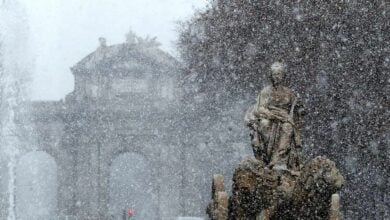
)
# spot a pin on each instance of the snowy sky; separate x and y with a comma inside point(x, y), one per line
point(65, 31)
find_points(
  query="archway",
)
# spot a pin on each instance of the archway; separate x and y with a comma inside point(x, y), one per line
point(36, 187)
point(131, 186)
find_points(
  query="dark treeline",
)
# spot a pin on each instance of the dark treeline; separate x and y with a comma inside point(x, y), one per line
point(338, 59)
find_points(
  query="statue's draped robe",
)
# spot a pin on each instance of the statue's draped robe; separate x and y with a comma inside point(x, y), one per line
point(275, 122)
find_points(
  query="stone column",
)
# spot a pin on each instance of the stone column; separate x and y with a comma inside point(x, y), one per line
point(104, 179)
point(65, 185)
point(334, 212)
point(86, 192)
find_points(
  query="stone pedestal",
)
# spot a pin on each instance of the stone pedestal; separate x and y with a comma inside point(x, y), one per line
point(261, 193)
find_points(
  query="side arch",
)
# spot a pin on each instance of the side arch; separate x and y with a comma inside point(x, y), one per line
point(65, 178)
point(36, 186)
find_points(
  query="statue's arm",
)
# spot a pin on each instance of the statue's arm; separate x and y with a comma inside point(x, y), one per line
point(250, 118)
point(264, 108)
point(298, 120)
point(262, 104)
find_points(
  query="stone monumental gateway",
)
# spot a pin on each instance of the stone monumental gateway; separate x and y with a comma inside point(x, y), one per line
point(113, 138)
point(278, 183)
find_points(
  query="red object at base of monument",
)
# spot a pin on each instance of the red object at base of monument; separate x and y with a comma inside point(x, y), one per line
point(130, 212)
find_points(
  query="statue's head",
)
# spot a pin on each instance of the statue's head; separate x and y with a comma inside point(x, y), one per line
point(278, 73)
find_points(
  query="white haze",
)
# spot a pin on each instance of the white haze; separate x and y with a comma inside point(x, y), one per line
point(65, 31)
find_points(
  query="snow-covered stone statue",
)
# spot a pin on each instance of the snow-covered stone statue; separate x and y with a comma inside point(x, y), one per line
point(277, 184)
point(275, 122)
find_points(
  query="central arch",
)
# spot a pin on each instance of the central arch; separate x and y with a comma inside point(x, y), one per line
point(131, 185)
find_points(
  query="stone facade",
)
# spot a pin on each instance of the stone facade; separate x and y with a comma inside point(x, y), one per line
point(124, 101)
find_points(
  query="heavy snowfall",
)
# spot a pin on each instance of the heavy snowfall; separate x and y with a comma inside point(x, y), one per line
point(126, 110)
